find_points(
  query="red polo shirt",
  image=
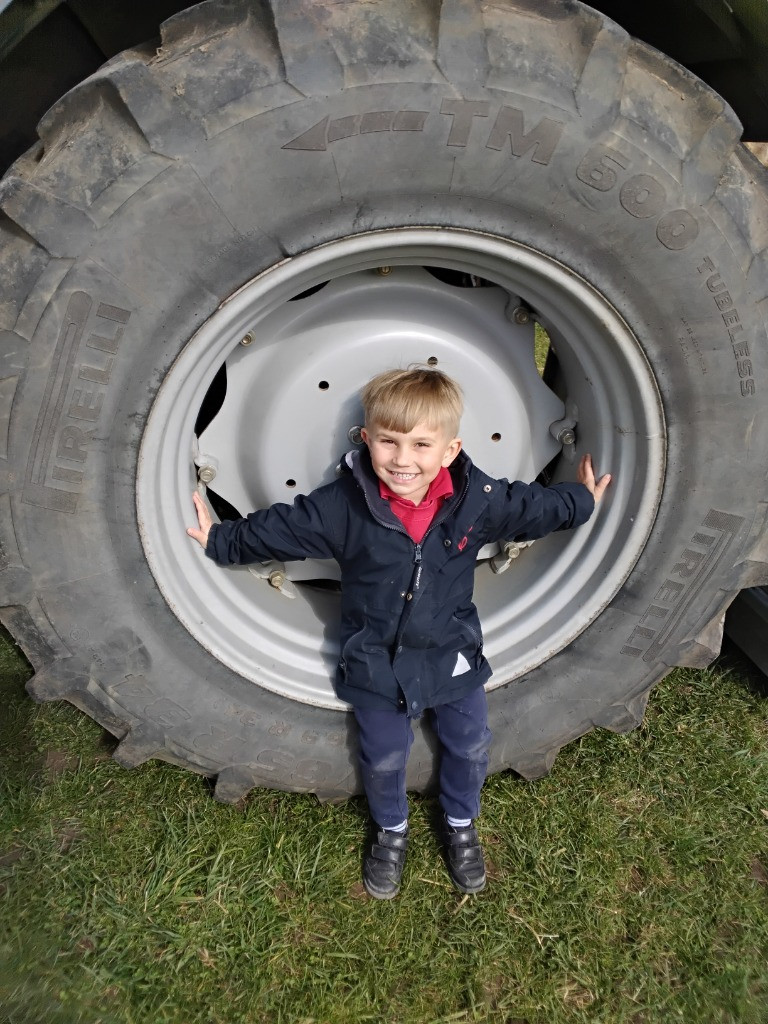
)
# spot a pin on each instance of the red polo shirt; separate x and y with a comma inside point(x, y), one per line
point(417, 518)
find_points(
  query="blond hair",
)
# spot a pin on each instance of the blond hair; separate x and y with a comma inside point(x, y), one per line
point(401, 399)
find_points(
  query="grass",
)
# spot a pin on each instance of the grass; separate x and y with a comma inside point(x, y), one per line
point(540, 347)
point(628, 887)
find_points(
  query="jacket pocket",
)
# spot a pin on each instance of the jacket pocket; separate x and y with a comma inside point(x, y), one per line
point(471, 650)
point(352, 652)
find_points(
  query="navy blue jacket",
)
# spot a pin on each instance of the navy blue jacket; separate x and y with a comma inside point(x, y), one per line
point(410, 634)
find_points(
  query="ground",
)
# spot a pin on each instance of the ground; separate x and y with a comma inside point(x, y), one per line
point(630, 886)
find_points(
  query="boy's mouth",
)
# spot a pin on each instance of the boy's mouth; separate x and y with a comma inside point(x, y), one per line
point(404, 477)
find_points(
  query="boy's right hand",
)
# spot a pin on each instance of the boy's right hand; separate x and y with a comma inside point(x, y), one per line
point(204, 520)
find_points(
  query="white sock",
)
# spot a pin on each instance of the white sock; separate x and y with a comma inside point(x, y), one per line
point(458, 822)
point(398, 828)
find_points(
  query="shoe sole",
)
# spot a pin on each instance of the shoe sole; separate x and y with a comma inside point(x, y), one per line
point(467, 890)
point(381, 895)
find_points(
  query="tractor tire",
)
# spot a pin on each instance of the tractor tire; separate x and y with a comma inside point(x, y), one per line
point(217, 242)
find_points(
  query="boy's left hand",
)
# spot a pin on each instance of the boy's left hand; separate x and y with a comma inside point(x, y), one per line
point(586, 476)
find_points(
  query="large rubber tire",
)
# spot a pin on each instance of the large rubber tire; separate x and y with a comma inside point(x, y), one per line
point(254, 134)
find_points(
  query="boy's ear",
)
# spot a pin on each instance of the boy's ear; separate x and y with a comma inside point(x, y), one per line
point(453, 449)
point(365, 435)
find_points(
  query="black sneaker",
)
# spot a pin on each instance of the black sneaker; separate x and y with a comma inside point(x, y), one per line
point(463, 857)
point(383, 863)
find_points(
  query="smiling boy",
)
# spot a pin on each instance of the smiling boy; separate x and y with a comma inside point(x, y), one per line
point(408, 462)
point(405, 520)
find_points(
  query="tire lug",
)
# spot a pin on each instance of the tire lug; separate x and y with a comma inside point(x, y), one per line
point(510, 550)
point(279, 580)
point(207, 468)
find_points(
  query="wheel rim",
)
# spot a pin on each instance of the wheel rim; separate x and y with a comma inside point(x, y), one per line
point(310, 356)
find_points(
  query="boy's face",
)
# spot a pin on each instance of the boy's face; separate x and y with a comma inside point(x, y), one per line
point(408, 463)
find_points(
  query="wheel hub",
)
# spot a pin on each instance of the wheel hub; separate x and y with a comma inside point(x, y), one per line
point(291, 403)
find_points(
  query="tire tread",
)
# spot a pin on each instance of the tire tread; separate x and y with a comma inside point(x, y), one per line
point(22, 261)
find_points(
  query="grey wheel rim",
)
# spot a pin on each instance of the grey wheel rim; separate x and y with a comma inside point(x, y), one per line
point(291, 407)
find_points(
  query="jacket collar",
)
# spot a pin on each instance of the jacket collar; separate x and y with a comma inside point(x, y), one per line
point(358, 463)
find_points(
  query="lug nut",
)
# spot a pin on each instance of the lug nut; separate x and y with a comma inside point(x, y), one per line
point(355, 435)
point(383, 271)
point(205, 474)
point(248, 339)
point(566, 436)
point(521, 315)
point(276, 579)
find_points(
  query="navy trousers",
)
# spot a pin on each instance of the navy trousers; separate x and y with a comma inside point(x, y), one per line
point(385, 742)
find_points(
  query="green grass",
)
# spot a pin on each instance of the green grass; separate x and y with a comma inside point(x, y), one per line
point(628, 887)
point(540, 347)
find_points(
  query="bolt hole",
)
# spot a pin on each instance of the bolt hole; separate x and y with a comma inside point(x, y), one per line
point(323, 385)
point(496, 437)
point(432, 361)
point(290, 483)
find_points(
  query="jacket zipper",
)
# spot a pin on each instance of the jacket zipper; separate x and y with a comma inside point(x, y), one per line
point(466, 625)
point(417, 572)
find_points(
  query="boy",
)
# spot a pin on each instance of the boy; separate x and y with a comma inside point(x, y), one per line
point(405, 521)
